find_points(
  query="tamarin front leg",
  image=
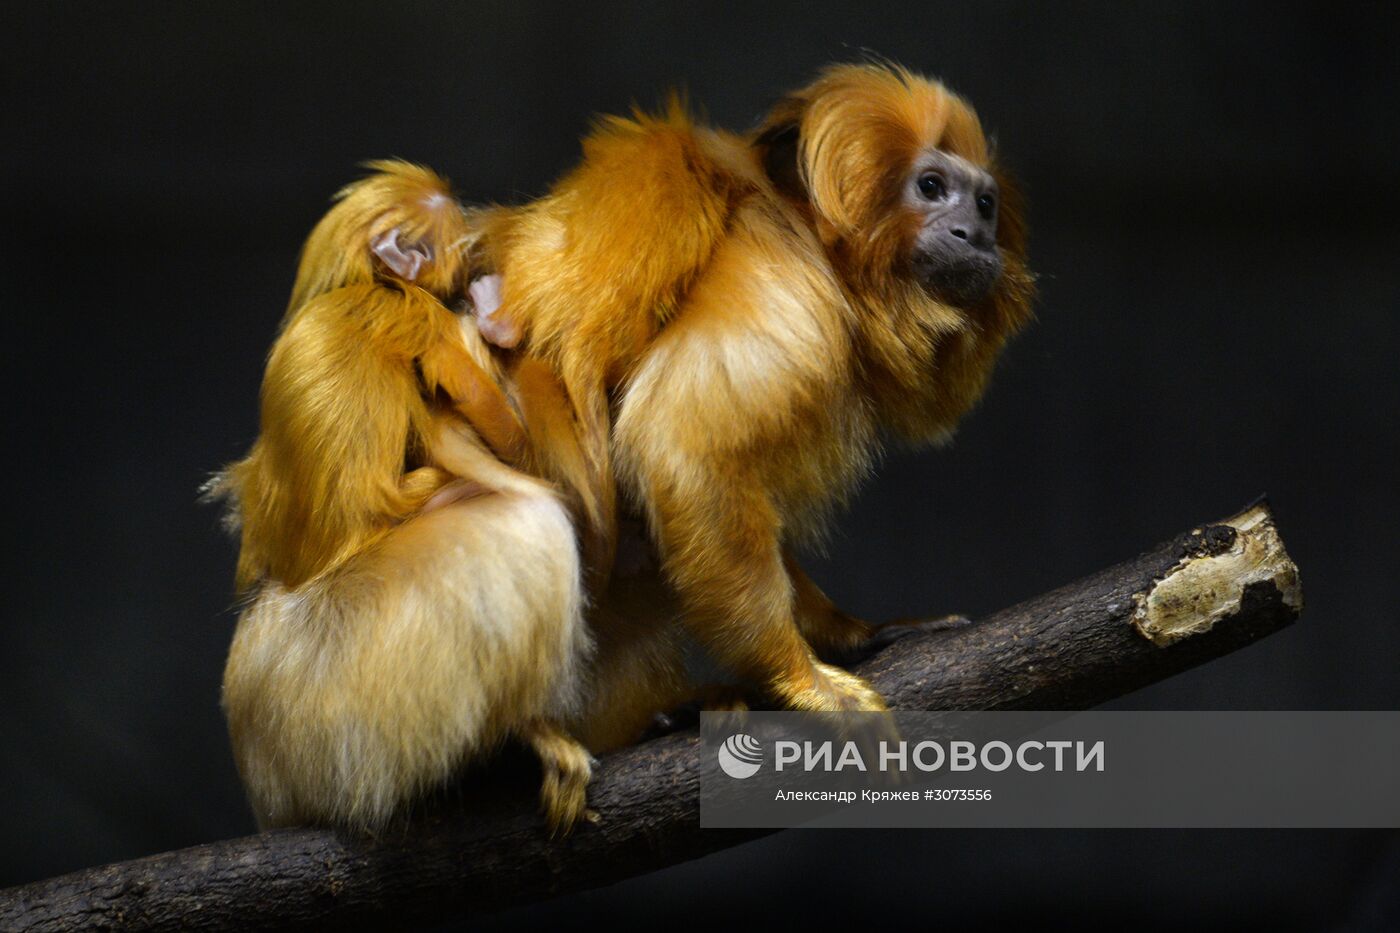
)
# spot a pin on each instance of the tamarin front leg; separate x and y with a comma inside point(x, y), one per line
point(722, 553)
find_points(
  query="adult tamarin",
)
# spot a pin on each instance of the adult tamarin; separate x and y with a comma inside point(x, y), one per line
point(751, 315)
point(737, 321)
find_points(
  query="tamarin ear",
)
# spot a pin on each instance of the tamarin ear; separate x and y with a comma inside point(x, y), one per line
point(811, 155)
point(781, 148)
point(404, 259)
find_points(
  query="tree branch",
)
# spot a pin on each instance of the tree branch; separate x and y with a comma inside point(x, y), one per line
point(1201, 595)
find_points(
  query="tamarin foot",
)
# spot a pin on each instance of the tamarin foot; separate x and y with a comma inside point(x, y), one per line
point(832, 690)
point(729, 700)
point(567, 767)
point(837, 637)
point(661, 724)
point(724, 698)
point(891, 632)
point(844, 692)
point(714, 698)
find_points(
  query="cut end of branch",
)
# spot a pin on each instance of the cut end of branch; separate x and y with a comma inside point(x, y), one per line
point(1210, 584)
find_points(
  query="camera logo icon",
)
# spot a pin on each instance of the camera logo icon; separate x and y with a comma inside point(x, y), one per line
point(740, 756)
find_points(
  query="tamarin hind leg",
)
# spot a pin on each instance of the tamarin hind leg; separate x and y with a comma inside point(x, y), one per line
point(567, 767)
point(844, 639)
point(834, 635)
point(891, 632)
point(731, 700)
point(723, 698)
point(639, 671)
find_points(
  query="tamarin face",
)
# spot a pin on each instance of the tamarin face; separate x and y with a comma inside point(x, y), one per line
point(900, 180)
point(955, 246)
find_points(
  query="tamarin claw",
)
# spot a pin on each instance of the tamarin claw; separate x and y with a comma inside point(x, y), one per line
point(834, 690)
point(567, 767)
point(888, 634)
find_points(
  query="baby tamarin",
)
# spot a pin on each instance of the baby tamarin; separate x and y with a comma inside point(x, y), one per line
point(736, 321)
point(412, 599)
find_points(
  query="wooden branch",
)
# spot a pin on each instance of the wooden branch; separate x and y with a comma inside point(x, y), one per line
point(1202, 595)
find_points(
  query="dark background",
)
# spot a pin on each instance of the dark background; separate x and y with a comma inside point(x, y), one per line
point(1214, 194)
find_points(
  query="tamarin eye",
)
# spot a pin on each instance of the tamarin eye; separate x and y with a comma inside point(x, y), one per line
point(932, 187)
point(985, 204)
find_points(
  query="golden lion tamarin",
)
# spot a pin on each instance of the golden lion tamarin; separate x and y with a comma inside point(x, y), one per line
point(728, 324)
point(412, 599)
point(750, 314)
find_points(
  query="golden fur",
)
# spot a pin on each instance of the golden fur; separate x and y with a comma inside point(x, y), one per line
point(749, 344)
point(722, 326)
point(412, 599)
point(369, 684)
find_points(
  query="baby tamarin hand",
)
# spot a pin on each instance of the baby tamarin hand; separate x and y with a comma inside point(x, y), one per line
point(495, 325)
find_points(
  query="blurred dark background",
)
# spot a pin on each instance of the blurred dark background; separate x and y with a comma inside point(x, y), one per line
point(1214, 196)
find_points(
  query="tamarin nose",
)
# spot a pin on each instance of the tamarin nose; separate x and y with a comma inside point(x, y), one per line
point(980, 237)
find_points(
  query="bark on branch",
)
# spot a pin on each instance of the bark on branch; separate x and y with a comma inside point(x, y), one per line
point(1201, 595)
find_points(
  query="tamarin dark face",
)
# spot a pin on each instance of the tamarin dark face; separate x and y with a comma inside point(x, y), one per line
point(955, 248)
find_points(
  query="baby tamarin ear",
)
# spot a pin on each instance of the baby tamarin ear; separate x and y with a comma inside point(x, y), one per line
point(401, 223)
point(369, 352)
point(403, 260)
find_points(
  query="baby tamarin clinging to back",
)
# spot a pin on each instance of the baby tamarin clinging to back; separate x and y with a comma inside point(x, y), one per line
point(736, 321)
point(412, 599)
